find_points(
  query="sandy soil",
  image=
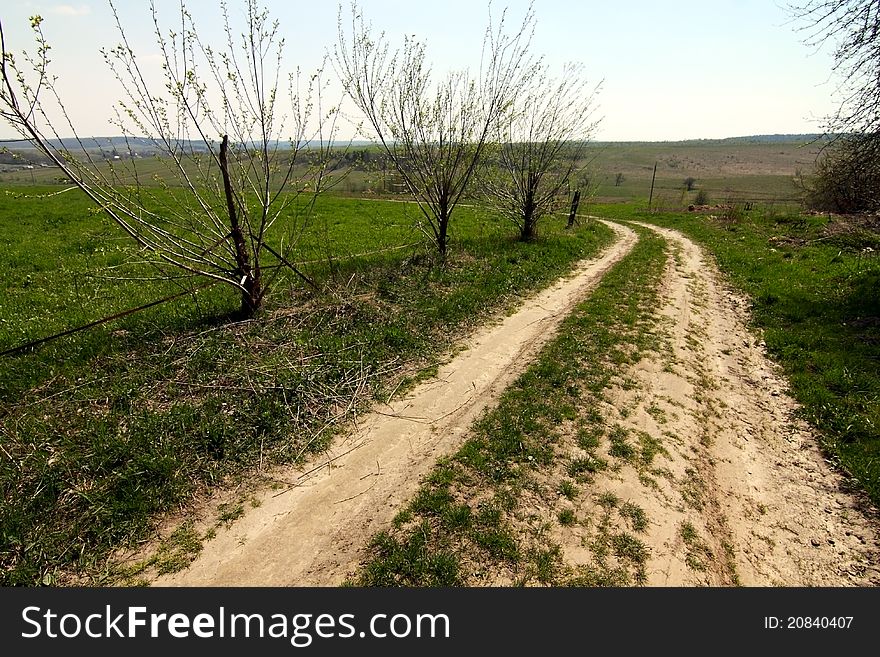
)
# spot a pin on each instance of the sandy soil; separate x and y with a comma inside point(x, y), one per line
point(312, 533)
point(747, 479)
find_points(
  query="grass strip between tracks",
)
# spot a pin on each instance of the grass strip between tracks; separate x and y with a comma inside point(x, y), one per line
point(487, 514)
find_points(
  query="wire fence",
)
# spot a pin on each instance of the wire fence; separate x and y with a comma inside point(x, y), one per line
point(191, 292)
point(104, 320)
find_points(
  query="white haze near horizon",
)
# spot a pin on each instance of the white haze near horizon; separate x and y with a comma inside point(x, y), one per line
point(668, 70)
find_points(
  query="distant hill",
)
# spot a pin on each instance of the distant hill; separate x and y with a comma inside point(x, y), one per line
point(122, 144)
point(749, 139)
point(99, 144)
point(774, 139)
point(143, 144)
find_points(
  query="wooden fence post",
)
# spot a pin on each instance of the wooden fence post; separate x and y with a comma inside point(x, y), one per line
point(576, 199)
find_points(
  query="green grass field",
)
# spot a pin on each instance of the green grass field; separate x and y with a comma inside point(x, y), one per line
point(726, 170)
point(741, 169)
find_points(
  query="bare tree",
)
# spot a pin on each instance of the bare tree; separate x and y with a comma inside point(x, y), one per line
point(435, 134)
point(853, 28)
point(542, 138)
point(225, 167)
point(847, 175)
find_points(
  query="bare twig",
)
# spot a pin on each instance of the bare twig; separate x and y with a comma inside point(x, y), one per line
point(307, 474)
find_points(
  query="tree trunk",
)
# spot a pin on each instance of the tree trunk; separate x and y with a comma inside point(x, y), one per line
point(252, 294)
point(529, 225)
point(443, 236)
point(528, 231)
point(443, 227)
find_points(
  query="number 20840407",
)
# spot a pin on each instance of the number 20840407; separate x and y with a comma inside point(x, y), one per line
point(808, 622)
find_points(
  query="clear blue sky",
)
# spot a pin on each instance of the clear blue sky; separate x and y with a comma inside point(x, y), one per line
point(670, 69)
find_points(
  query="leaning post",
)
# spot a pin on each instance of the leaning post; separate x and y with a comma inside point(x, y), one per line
point(576, 199)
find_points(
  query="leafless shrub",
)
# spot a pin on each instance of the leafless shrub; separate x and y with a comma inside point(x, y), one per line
point(224, 169)
point(541, 141)
point(435, 132)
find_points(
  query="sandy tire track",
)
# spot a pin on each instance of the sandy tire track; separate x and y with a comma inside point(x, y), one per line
point(313, 534)
point(747, 477)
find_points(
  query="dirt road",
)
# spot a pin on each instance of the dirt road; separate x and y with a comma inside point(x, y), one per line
point(747, 497)
point(312, 533)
